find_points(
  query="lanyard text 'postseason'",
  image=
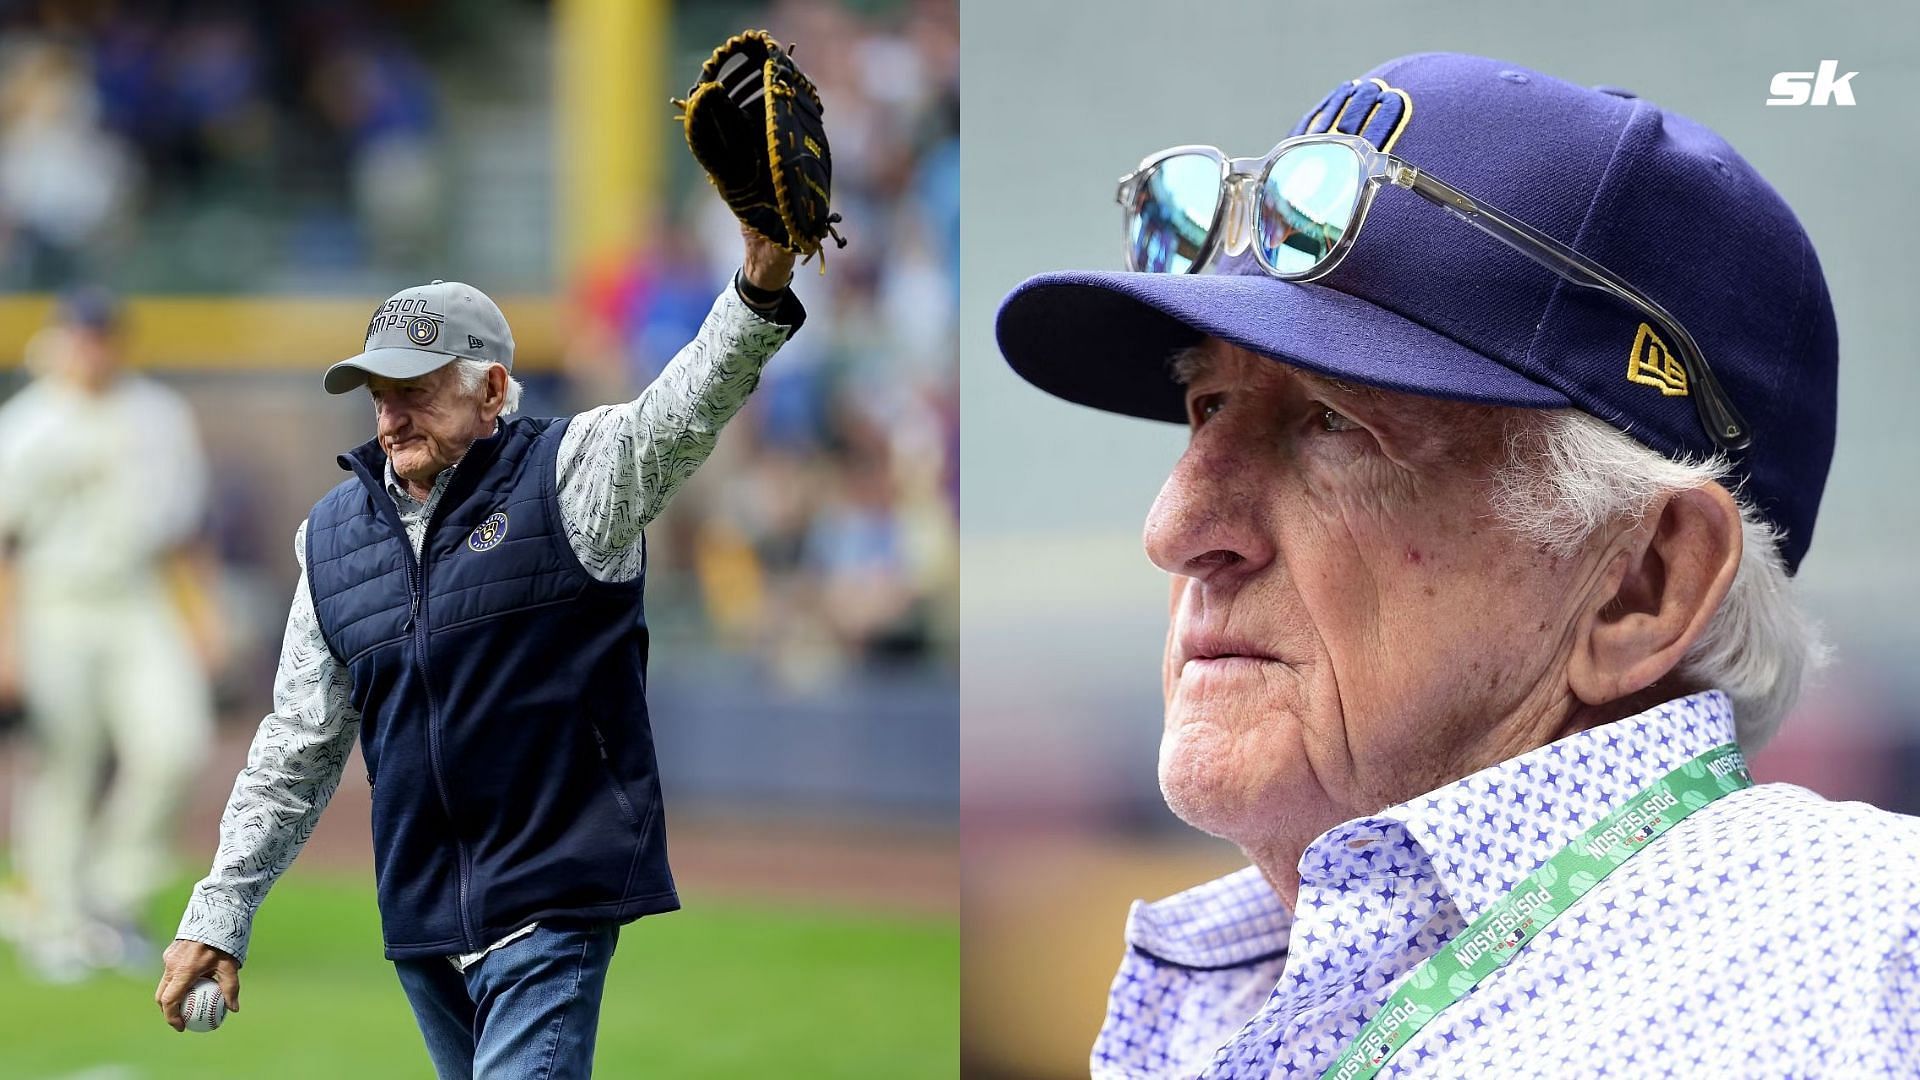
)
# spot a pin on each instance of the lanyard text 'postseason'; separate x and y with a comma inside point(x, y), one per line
point(1519, 916)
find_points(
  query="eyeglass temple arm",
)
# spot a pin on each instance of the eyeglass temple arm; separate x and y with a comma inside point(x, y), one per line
point(1718, 416)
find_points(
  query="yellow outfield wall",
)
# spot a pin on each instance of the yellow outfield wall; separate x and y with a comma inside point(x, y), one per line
point(257, 332)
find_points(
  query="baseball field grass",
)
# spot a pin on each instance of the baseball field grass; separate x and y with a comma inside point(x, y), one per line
point(722, 989)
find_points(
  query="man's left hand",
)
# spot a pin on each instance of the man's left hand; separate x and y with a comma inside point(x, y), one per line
point(767, 265)
point(186, 961)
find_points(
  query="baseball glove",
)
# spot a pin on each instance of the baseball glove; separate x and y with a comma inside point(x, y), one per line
point(753, 121)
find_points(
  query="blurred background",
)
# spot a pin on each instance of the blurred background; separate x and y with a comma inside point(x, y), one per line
point(251, 178)
point(1062, 614)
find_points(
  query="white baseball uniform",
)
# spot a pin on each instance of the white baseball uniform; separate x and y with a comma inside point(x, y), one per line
point(95, 491)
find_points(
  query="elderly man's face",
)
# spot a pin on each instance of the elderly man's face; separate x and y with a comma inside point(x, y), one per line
point(1347, 621)
point(427, 423)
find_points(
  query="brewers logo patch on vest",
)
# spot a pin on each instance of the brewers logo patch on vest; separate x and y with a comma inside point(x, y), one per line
point(490, 532)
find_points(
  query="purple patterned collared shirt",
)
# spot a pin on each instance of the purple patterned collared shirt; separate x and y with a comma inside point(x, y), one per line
point(1771, 933)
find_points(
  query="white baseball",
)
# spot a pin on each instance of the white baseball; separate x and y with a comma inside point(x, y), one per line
point(204, 1007)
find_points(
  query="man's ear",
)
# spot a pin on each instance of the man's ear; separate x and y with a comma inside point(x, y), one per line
point(1657, 598)
point(494, 397)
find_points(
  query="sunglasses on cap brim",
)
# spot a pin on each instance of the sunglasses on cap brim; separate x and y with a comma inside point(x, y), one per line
point(1299, 208)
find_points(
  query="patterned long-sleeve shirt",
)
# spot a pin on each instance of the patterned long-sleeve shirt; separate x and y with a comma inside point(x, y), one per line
point(1771, 933)
point(618, 466)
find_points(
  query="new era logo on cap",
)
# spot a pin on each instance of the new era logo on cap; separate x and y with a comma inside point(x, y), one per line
point(421, 329)
point(1651, 363)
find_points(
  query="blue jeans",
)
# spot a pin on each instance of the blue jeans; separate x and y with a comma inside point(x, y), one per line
point(527, 1011)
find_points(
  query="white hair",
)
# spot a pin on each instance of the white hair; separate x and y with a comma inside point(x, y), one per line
point(473, 375)
point(1568, 473)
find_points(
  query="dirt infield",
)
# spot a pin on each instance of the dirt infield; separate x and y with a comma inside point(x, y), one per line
point(717, 851)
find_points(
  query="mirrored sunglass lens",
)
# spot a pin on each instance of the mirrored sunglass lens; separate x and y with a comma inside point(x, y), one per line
point(1306, 205)
point(1171, 211)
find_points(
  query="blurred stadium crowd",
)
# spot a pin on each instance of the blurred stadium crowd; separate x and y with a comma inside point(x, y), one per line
point(207, 144)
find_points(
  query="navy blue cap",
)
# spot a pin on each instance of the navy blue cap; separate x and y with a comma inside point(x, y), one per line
point(1429, 305)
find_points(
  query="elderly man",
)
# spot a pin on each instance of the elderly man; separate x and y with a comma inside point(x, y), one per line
point(1481, 551)
point(470, 605)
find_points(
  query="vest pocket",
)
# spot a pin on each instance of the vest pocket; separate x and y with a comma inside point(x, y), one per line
point(613, 776)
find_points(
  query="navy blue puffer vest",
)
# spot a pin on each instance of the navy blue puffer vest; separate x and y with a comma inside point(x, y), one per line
point(501, 693)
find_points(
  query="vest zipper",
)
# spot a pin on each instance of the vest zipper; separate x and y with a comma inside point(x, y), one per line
point(417, 619)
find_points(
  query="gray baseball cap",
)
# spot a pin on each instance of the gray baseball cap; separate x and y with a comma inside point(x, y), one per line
point(423, 329)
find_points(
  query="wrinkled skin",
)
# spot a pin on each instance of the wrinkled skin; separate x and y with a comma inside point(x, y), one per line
point(1349, 626)
point(426, 424)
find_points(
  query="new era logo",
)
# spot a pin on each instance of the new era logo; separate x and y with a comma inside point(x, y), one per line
point(1652, 364)
point(475, 343)
point(1813, 87)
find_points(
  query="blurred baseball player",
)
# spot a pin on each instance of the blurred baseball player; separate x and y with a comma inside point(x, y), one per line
point(106, 634)
point(470, 605)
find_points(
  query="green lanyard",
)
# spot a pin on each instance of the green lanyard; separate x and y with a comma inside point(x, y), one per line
point(1519, 916)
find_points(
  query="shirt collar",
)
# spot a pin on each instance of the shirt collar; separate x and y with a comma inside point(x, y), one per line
point(1484, 833)
point(1228, 922)
point(403, 498)
point(1481, 834)
point(395, 488)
